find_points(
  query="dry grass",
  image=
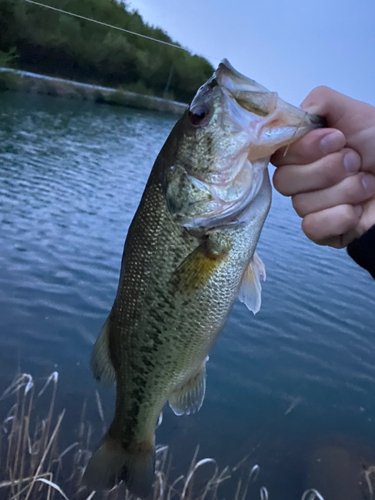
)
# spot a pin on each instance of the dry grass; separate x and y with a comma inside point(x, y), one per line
point(32, 467)
point(29, 458)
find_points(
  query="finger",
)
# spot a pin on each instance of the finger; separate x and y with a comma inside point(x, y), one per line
point(352, 190)
point(354, 118)
point(331, 104)
point(323, 173)
point(310, 148)
point(368, 217)
point(341, 241)
point(327, 226)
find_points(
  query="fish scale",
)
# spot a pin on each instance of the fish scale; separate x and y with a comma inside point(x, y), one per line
point(187, 256)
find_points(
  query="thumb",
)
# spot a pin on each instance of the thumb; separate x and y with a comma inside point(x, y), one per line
point(331, 104)
point(355, 119)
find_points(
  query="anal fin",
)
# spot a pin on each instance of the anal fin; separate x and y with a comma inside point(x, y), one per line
point(189, 398)
point(101, 364)
point(251, 289)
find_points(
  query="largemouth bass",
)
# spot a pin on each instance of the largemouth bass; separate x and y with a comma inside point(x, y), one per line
point(188, 254)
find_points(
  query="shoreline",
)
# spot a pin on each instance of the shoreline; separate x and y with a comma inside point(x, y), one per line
point(25, 81)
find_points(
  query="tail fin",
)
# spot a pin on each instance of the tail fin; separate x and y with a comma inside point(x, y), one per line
point(112, 463)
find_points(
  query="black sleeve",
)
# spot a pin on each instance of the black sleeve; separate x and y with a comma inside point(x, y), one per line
point(362, 251)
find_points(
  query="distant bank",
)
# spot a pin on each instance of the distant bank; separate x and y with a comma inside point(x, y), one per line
point(24, 81)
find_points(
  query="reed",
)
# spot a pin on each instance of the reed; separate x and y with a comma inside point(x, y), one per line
point(32, 466)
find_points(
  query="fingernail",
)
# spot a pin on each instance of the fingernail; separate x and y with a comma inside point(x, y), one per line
point(352, 162)
point(368, 182)
point(332, 142)
point(310, 106)
point(358, 210)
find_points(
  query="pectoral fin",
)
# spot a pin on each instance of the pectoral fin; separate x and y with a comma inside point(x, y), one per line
point(251, 289)
point(189, 398)
point(199, 266)
point(101, 364)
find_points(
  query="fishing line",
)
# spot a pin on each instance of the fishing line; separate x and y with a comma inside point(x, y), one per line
point(115, 27)
point(294, 133)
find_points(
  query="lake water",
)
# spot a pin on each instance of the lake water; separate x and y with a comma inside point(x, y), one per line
point(292, 387)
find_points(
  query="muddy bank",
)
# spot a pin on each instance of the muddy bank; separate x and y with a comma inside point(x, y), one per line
point(24, 81)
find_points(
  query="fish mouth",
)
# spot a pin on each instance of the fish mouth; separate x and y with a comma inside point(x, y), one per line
point(318, 121)
point(278, 122)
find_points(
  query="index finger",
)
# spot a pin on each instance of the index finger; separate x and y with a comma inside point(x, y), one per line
point(310, 148)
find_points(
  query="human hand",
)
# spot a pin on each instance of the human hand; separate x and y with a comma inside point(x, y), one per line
point(330, 173)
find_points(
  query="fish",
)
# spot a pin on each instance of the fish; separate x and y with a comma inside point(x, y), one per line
point(189, 252)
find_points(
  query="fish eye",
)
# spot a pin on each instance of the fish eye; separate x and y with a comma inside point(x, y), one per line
point(197, 114)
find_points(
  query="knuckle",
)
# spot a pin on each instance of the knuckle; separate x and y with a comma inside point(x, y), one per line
point(322, 89)
point(347, 217)
point(331, 172)
point(311, 226)
point(319, 92)
point(323, 92)
point(281, 181)
point(278, 158)
point(299, 204)
point(331, 223)
point(354, 188)
point(277, 182)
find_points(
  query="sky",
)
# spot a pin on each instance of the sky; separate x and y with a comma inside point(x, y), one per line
point(289, 46)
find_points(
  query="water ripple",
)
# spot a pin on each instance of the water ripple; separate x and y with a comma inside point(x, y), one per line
point(71, 178)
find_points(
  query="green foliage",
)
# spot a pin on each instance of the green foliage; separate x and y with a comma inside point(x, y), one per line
point(60, 45)
point(7, 59)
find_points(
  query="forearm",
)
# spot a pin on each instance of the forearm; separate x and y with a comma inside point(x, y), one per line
point(362, 251)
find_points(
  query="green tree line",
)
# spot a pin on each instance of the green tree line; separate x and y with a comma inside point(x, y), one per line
point(37, 39)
